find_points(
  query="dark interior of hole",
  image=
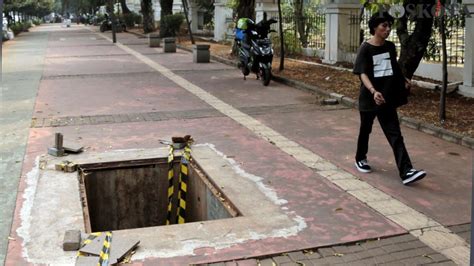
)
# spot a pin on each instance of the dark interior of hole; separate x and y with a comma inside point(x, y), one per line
point(136, 196)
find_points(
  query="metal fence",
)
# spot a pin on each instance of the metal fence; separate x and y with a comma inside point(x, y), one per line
point(314, 28)
point(455, 34)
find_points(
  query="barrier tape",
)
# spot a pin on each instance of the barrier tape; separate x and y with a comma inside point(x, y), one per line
point(183, 185)
point(104, 253)
point(89, 239)
point(170, 183)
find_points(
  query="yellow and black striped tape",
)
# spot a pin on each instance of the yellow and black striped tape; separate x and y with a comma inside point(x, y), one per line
point(170, 183)
point(183, 185)
point(105, 252)
point(89, 239)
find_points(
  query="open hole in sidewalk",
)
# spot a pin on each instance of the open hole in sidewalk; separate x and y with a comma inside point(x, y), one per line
point(134, 194)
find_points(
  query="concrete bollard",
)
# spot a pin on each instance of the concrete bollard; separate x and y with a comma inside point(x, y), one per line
point(201, 53)
point(169, 45)
point(154, 40)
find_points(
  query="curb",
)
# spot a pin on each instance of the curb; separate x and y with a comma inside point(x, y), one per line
point(412, 123)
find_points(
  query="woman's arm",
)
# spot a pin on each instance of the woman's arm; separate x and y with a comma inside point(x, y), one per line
point(378, 97)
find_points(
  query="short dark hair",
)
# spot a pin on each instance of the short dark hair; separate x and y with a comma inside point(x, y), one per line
point(378, 18)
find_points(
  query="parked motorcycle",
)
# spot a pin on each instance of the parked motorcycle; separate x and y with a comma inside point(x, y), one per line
point(107, 25)
point(256, 52)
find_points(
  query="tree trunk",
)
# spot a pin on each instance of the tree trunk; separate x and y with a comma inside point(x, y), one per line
point(186, 11)
point(413, 46)
point(166, 9)
point(442, 100)
point(246, 9)
point(300, 22)
point(148, 16)
point(282, 41)
point(124, 7)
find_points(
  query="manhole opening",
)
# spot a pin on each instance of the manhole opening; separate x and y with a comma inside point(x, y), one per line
point(134, 194)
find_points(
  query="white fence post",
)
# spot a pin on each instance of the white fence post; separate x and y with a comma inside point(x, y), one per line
point(467, 88)
point(338, 37)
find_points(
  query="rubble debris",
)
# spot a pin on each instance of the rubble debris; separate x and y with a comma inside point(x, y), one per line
point(66, 166)
point(72, 240)
point(121, 248)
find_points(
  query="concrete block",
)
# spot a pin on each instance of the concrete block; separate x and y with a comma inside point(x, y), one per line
point(55, 152)
point(169, 45)
point(201, 53)
point(154, 40)
point(72, 240)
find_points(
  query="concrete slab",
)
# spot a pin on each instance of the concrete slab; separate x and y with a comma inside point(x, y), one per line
point(230, 87)
point(93, 66)
point(123, 94)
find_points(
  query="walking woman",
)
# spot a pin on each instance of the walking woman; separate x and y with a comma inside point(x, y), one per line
point(383, 89)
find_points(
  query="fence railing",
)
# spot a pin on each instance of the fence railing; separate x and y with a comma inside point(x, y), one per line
point(455, 34)
point(312, 26)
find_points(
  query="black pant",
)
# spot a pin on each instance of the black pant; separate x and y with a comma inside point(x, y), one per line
point(388, 120)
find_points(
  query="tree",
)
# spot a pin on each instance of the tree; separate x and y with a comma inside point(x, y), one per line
point(124, 7)
point(282, 41)
point(301, 26)
point(246, 9)
point(413, 46)
point(148, 16)
point(442, 30)
point(166, 10)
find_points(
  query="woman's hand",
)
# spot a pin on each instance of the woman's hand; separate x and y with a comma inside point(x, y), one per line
point(378, 98)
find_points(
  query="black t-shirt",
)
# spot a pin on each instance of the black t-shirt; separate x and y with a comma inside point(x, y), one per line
point(379, 63)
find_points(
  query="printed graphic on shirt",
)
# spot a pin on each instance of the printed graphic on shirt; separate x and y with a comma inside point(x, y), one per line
point(382, 65)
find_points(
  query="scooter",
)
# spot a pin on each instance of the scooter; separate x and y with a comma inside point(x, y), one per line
point(257, 56)
point(107, 25)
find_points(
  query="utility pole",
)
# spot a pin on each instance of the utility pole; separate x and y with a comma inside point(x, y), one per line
point(112, 18)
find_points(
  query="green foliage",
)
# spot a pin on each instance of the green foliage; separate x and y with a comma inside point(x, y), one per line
point(292, 45)
point(16, 28)
point(170, 24)
point(37, 8)
point(37, 22)
point(26, 25)
point(131, 19)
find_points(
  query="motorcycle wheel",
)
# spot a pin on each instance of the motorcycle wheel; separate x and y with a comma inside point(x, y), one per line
point(245, 70)
point(266, 76)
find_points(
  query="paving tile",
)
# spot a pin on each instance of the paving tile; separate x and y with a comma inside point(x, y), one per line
point(350, 257)
point(326, 252)
point(313, 255)
point(281, 259)
point(393, 248)
point(384, 259)
point(296, 256)
point(305, 262)
point(266, 262)
point(249, 262)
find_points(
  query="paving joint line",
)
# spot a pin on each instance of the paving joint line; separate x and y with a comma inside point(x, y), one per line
point(41, 122)
point(455, 248)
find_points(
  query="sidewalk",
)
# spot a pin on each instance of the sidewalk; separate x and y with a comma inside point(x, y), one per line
point(298, 153)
